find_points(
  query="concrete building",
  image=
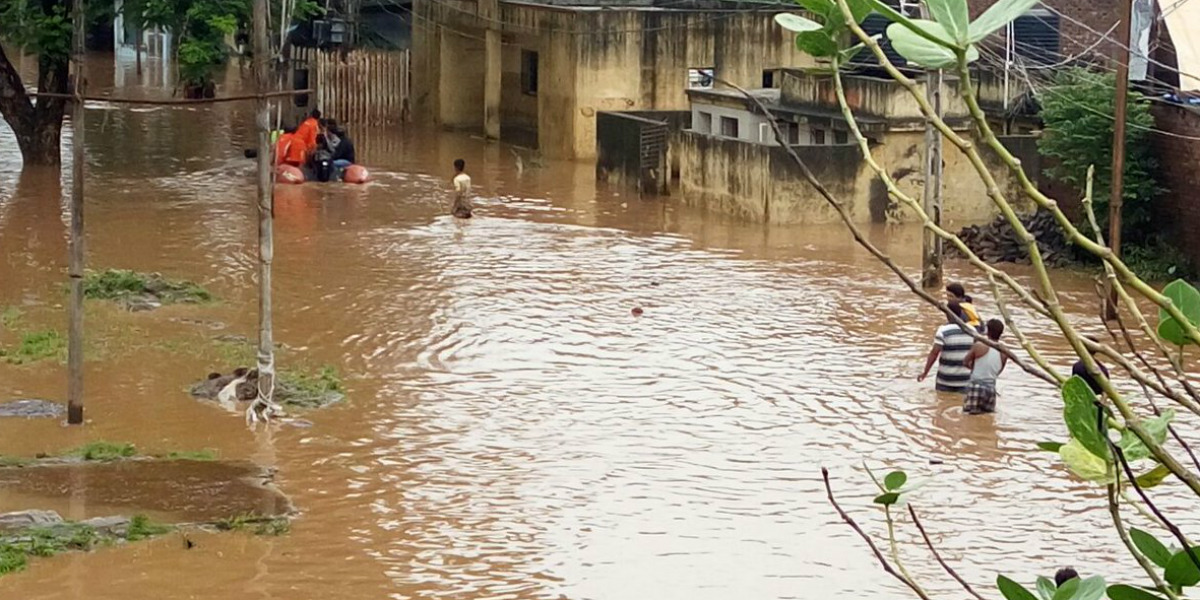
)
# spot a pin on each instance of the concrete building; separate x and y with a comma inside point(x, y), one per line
point(536, 74)
point(730, 161)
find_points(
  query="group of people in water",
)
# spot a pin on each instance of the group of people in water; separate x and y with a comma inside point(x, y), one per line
point(970, 367)
point(320, 148)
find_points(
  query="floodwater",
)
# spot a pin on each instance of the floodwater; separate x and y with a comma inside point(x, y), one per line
point(510, 429)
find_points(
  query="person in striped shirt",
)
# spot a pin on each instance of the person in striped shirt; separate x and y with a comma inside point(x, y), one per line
point(950, 347)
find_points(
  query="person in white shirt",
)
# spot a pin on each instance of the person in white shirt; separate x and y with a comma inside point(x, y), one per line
point(461, 207)
point(986, 364)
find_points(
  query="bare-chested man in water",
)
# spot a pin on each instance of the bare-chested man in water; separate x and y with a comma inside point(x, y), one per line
point(462, 191)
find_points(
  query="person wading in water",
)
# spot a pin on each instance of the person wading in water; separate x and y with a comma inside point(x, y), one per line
point(950, 347)
point(462, 191)
point(986, 364)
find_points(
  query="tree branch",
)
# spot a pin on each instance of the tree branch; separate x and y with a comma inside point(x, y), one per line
point(866, 538)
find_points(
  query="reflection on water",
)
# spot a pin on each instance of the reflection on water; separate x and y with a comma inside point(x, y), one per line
point(511, 430)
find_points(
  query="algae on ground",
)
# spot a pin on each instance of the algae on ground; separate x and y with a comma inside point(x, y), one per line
point(35, 346)
point(123, 284)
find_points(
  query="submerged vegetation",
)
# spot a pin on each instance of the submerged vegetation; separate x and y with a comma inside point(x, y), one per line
point(124, 285)
point(18, 546)
point(207, 454)
point(256, 524)
point(304, 390)
point(101, 451)
point(35, 346)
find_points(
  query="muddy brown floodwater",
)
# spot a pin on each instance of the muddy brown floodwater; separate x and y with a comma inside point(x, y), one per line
point(510, 429)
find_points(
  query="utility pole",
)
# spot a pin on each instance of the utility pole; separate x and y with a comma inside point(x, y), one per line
point(75, 244)
point(266, 208)
point(931, 202)
point(1118, 152)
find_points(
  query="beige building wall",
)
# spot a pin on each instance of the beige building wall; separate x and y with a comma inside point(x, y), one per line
point(760, 183)
point(590, 60)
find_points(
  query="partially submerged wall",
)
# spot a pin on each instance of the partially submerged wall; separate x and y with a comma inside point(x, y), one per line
point(761, 183)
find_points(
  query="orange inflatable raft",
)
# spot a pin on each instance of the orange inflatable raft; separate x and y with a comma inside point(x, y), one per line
point(356, 174)
point(288, 174)
point(292, 174)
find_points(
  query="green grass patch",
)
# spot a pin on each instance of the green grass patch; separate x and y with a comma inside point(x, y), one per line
point(120, 284)
point(35, 346)
point(103, 451)
point(10, 317)
point(12, 559)
point(141, 527)
point(256, 524)
point(207, 454)
point(15, 549)
point(14, 461)
point(309, 390)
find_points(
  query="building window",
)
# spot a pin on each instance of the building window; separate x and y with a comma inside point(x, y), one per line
point(818, 137)
point(841, 137)
point(793, 131)
point(729, 127)
point(529, 72)
point(704, 123)
point(765, 134)
point(700, 78)
point(768, 79)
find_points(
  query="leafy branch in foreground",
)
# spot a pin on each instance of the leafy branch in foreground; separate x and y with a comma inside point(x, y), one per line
point(1107, 434)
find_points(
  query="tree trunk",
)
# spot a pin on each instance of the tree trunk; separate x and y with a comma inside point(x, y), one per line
point(37, 127)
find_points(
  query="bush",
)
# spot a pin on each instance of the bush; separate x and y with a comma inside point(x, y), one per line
point(1077, 112)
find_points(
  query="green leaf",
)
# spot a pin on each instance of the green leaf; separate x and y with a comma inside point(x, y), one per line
point(895, 480)
point(1079, 413)
point(816, 43)
point(1067, 590)
point(951, 15)
point(860, 9)
point(887, 499)
point(920, 51)
point(997, 16)
point(1133, 448)
point(1152, 478)
point(1151, 547)
point(1128, 592)
point(1187, 300)
point(822, 8)
point(796, 23)
point(1092, 588)
point(1181, 570)
point(1050, 446)
point(1084, 464)
point(1013, 590)
point(1045, 588)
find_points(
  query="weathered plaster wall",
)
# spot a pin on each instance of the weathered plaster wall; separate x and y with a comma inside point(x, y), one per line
point(460, 90)
point(589, 61)
point(760, 183)
point(517, 109)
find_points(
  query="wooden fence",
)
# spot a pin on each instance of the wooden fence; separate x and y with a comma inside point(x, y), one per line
point(365, 87)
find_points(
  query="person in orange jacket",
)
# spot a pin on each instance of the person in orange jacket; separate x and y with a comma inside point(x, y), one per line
point(308, 130)
point(290, 149)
